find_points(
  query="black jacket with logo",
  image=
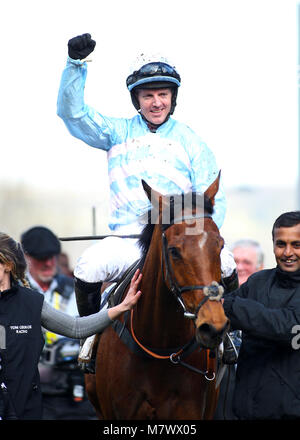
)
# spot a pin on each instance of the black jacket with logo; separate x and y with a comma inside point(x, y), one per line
point(57, 379)
point(267, 310)
point(21, 345)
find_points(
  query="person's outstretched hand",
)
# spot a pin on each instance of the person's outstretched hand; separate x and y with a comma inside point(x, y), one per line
point(81, 46)
point(130, 299)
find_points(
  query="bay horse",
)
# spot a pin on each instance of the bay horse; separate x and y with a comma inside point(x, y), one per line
point(168, 373)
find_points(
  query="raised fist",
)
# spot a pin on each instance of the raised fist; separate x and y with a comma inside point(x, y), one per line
point(81, 46)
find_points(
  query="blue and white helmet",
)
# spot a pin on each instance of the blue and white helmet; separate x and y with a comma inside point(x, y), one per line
point(153, 72)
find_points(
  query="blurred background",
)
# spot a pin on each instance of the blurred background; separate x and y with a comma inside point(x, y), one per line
point(238, 61)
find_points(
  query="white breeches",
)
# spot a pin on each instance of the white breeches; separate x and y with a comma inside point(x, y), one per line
point(108, 260)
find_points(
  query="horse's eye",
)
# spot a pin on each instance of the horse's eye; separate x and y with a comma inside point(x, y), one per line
point(174, 253)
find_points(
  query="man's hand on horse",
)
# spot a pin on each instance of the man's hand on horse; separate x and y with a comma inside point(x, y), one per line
point(130, 299)
point(81, 46)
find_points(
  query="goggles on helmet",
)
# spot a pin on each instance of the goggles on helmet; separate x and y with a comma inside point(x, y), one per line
point(152, 72)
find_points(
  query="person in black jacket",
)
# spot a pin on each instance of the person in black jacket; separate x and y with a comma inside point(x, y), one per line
point(62, 380)
point(22, 313)
point(267, 310)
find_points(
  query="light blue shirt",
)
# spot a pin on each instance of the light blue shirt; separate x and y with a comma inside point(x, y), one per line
point(172, 160)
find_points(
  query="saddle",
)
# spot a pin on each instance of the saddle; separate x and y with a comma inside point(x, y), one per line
point(115, 295)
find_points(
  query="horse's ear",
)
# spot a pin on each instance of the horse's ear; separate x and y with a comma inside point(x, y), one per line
point(152, 195)
point(147, 189)
point(213, 189)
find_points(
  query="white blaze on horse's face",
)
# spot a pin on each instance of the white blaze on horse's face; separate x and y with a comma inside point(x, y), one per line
point(202, 240)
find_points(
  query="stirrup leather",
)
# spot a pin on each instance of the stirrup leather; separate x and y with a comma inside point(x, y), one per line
point(230, 354)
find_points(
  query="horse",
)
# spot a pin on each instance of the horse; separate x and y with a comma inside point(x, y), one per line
point(168, 370)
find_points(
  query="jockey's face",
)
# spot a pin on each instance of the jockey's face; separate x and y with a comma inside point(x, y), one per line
point(286, 245)
point(155, 104)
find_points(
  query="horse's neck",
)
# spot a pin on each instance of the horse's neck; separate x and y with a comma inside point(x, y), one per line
point(158, 319)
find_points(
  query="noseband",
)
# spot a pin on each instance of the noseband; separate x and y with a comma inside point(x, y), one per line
point(212, 292)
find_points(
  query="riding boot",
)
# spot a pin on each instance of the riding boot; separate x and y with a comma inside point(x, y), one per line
point(88, 298)
point(230, 354)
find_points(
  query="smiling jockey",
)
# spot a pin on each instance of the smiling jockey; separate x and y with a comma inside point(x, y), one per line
point(151, 146)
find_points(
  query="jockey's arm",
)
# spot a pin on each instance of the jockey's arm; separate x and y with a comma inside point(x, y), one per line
point(82, 121)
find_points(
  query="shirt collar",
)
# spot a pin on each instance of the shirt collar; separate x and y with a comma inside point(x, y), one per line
point(36, 286)
point(288, 279)
point(153, 127)
point(13, 289)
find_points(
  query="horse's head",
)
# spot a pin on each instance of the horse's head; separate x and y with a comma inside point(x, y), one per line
point(190, 258)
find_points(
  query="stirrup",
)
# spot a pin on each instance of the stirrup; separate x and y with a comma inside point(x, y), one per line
point(88, 367)
point(230, 354)
point(86, 361)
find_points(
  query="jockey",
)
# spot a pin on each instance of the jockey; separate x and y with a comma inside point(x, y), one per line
point(151, 146)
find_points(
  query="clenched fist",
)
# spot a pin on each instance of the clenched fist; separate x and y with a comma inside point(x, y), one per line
point(81, 46)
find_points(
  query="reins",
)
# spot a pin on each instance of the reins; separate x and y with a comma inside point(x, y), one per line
point(147, 350)
point(175, 358)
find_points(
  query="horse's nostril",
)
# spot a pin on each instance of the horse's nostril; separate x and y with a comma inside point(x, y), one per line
point(208, 330)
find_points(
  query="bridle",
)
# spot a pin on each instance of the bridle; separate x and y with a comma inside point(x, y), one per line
point(212, 292)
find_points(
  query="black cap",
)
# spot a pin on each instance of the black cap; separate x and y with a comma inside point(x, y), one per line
point(39, 242)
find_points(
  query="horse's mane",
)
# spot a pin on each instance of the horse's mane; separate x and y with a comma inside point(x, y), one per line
point(151, 216)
